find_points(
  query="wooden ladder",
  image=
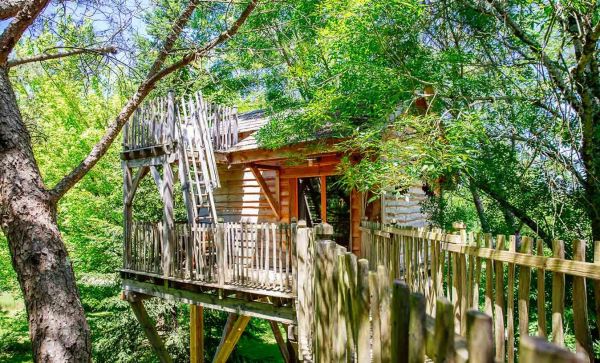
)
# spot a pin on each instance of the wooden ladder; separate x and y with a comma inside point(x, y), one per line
point(197, 165)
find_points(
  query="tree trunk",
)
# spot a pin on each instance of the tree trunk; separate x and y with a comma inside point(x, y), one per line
point(58, 328)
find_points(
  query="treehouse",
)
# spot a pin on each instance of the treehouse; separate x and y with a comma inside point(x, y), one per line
point(237, 249)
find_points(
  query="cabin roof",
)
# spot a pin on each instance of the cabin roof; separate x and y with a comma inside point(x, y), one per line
point(252, 120)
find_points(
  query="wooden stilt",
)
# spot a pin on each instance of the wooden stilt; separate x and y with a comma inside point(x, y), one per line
point(227, 329)
point(280, 342)
point(196, 334)
point(292, 343)
point(231, 339)
point(148, 326)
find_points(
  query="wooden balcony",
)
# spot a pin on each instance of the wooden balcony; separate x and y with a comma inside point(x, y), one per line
point(234, 267)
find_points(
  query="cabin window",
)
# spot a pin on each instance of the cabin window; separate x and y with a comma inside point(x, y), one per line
point(330, 204)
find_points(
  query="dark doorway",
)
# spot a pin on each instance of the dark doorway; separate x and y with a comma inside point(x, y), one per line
point(337, 205)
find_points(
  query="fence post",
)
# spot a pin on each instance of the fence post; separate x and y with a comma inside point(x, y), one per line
point(362, 318)
point(443, 338)
point(416, 329)
point(538, 350)
point(304, 303)
point(400, 320)
point(220, 244)
point(480, 338)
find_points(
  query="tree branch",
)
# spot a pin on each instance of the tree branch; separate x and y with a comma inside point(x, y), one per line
point(136, 99)
point(23, 19)
point(45, 57)
point(552, 67)
point(587, 52)
point(10, 8)
point(520, 214)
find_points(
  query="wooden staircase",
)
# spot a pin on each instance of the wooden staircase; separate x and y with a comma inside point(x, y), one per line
point(197, 166)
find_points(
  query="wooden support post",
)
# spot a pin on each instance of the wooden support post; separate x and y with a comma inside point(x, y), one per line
point(323, 199)
point(231, 339)
point(148, 326)
point(231, 319)
point(280, 341)
point(168, 243)
point(273, 203)
point(221, 256)
point(196, 334)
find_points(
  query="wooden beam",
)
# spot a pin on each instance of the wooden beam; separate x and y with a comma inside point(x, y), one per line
point(141, 173)
point(323, 199)
point(282, 314)
point(310, 171)
point(294, 197)
point(148, 326)
point(266, 167)
point(280, 342)
point(257, 155)
point(266, 191)
point(196, 334)
point(231, 340)
point(157, 179)
point(231, 319)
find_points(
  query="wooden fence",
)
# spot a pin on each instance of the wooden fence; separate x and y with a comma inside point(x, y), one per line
point(228, 255)
point(492, 275)
point(356, 310)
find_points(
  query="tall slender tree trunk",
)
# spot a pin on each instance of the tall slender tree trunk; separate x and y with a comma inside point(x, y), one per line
point(58, 328)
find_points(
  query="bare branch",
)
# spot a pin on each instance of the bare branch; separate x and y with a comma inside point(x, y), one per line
point(551, 66)
point(20, 23)
point(133, 103)
point(45, 57)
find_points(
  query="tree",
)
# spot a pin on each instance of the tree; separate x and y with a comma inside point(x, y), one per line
point(58, 329)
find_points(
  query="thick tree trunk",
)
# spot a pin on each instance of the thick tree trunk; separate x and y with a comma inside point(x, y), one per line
point(58, 328)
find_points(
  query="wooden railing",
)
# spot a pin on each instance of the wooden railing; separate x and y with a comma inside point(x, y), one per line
point(233, 256)
point(356, 310)
point(493, 275)
point(165, 120)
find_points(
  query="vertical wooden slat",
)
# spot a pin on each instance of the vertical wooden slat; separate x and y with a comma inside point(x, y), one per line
point(384, 312)
point(541, 293)
point(417, 343)
point(499, 303)
point(524, 289)
point(558, 296)
point(480, 337)
point(400, 321)
point(375, 317)
point(443, 339)
point(510, 304)
point(362, 312)
point(596, 284)
point(583, 336)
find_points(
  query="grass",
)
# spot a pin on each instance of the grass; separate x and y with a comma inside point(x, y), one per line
point(99, 296)
point(14, 332)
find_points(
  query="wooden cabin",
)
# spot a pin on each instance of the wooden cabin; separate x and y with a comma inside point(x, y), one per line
point(236, 251)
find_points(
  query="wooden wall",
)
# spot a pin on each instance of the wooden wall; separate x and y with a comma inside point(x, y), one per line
point(404, 210)
point(240, 198)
